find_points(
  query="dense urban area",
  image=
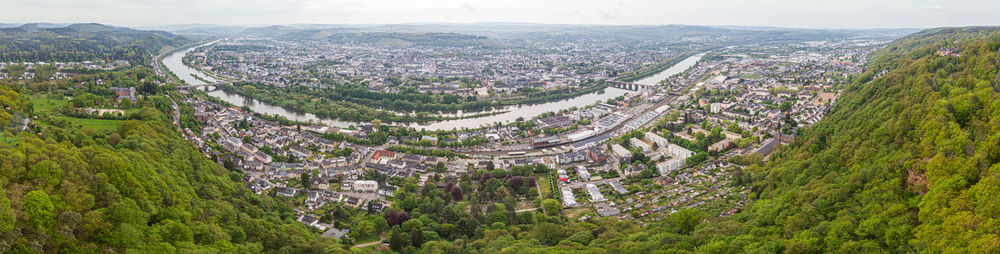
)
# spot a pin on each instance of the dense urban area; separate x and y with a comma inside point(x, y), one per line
point(709, 140)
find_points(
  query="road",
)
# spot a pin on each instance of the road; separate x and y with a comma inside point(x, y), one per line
point(177, 113)
point(368, 244)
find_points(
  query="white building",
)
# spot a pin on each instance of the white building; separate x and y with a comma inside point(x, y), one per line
point(679, 152)
point(595, 193)
point(669, 166)
point(568, 199)
point(645, 147)
point(620, 151)
point(656, 139)
point(582, 171)
point(365, 186)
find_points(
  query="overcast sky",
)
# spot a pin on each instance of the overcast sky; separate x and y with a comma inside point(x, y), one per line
point(782, 13)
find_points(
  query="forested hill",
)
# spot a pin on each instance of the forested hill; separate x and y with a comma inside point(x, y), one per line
point(82, 42)
point(907, 160)
point(133, 187)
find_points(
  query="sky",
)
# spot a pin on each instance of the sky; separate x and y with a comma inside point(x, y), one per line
point(778, 13)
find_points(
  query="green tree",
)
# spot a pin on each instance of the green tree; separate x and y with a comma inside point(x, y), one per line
point(39, 209)
point(551, 206)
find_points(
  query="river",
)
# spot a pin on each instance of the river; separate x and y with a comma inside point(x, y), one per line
point(511, 113)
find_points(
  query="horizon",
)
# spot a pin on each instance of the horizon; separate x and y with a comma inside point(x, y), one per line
point(853, 14)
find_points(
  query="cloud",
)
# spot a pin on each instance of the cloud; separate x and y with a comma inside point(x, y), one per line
point(786, 13)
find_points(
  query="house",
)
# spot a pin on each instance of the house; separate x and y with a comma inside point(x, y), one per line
point(606, 210)
point(383, 156)
point(597, 155)
point(287, 192)
point(374, 206)
point(365, 186)
point(582, 172)
point(352, 201)
point(567, 197)
point(335, 233)
point(432, 139)
point(124, 93)
point(595, 193)
point(313, 197)
point(311, 221)
point(571, 157)
point(387, 190)
point(562, 175)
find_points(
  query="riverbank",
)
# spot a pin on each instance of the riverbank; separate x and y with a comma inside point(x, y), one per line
point(341, 110)
point(656, 68)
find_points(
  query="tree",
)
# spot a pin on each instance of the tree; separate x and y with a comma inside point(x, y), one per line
point(551, 207)
point(417, 237)
point(394, 217)
point(39, 208)
point(486, 176)
point(306, 178)
point(7, 217)
point(398, 241)
point(686, 220)
point(249, 90)
point(516, 182)
point(456, 193)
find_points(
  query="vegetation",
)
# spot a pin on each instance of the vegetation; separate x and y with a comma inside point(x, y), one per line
point(356, 103)
point(83, 42)
point(138, 188)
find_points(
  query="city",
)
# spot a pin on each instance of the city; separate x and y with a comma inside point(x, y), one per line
point(499, 127)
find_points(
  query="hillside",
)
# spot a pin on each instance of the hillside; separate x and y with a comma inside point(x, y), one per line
point(81, 184)
point(82, 42)
point(905, 162)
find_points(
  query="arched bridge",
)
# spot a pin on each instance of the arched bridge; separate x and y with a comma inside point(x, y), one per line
point(628, 85)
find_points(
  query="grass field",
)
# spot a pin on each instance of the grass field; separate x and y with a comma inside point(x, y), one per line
point(51, 105)
point(100, 125)
point(543, 185)
point(367, 239)
point(46, 104)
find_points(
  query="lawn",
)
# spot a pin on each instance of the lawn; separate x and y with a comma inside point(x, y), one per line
point(367, 239)
point(99, 125)
point(543, 185)
point(46, 104)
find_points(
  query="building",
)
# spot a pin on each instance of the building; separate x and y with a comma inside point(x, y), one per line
point(669, 166)
point(656, 139)
point(365, 186)
point(595, 193)
point(287, 192)
point(679, 152)
point(567, 197)
point(597, 155)
point(621, 152)
point(645, 147)
point(387, 190)
point(545, 141)
point(582, 172)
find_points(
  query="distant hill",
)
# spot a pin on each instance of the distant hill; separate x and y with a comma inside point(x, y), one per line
point(81, 42)
point(359, 35)
point(509, 33)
